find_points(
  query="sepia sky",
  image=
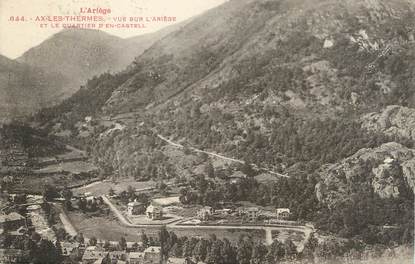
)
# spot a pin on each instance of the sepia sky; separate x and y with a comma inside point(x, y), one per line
point(17, 37)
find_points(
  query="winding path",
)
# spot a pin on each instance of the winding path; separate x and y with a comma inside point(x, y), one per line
point(221, 156)
point(177, 145)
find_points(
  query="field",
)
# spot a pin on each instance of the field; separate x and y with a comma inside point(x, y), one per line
point(283, 235)
point(73, 167)
point(102, 227)
point(103, 187)
point(166, 201)
point(144, 220)
point(34, 184)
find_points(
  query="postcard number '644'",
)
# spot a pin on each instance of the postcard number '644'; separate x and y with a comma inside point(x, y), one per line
point(17, 18)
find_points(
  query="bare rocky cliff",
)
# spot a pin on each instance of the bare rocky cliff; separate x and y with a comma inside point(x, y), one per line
point(394, 120)
point(388, 171)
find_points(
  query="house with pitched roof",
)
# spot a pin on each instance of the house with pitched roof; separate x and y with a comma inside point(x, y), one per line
point(12, 221)
point(154, 212)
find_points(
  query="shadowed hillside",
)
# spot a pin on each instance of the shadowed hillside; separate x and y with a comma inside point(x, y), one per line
point(24, 89)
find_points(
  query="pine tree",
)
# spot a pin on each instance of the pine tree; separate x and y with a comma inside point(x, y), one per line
point(164, 237)
point(259, 252)
point(144, 239)
point(122, 243)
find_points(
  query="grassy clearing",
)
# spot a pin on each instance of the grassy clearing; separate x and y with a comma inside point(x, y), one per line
point(35, 184)
point(282, 235)
point(166, 201)
point(101, 188)
point(73, 167)
point(102, 227)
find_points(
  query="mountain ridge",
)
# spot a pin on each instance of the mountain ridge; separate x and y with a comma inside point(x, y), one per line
point(243, 53)
point(63, 63)
point(81, 54)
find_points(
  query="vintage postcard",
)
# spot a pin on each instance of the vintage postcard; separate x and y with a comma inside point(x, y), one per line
point(207, 131)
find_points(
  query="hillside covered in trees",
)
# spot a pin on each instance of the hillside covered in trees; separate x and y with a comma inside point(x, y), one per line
point(281, 84)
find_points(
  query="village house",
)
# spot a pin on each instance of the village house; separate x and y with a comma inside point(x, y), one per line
point(115, 256)
point(179, 261)
point(252, 214)
point(12, 221)
point(136, 208)
point(283, 213)
point(14, 256)
point(15, 158)
point(154, 212)
point(18, 198)
point(240, 211)
point(136, 257)
point(205, 213)
point(225, 211)
point(134, 246)
point(92, 248)
point(69, 247)
point(236, 177)
point(152, 255)
point(91, 199)
point(88, 196)
point(90, 257)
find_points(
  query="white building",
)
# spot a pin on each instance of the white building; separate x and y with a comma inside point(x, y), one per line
point(283, 213)
point(205, 213)
point(154, 212)
point(252, 213)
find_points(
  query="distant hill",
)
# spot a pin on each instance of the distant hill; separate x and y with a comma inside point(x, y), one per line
point(78, 54)
point(56, 68)
point(24, 88)
point(82, 54)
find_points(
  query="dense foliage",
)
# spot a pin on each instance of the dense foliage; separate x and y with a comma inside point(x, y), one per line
point(31, 141)
point(85, 102)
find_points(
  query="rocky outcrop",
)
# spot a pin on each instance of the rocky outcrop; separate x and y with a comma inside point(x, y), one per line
point(388, 170)
point(394, 120)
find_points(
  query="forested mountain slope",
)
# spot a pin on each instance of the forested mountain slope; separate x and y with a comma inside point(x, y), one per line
point(284, 84)
point(248, 67)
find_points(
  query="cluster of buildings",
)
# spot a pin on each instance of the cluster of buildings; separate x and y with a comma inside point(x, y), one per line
point(14, 224)
point(11, 222)
point(13, 256)
point(97, 255)
point(14, 158)
point(251, 214)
